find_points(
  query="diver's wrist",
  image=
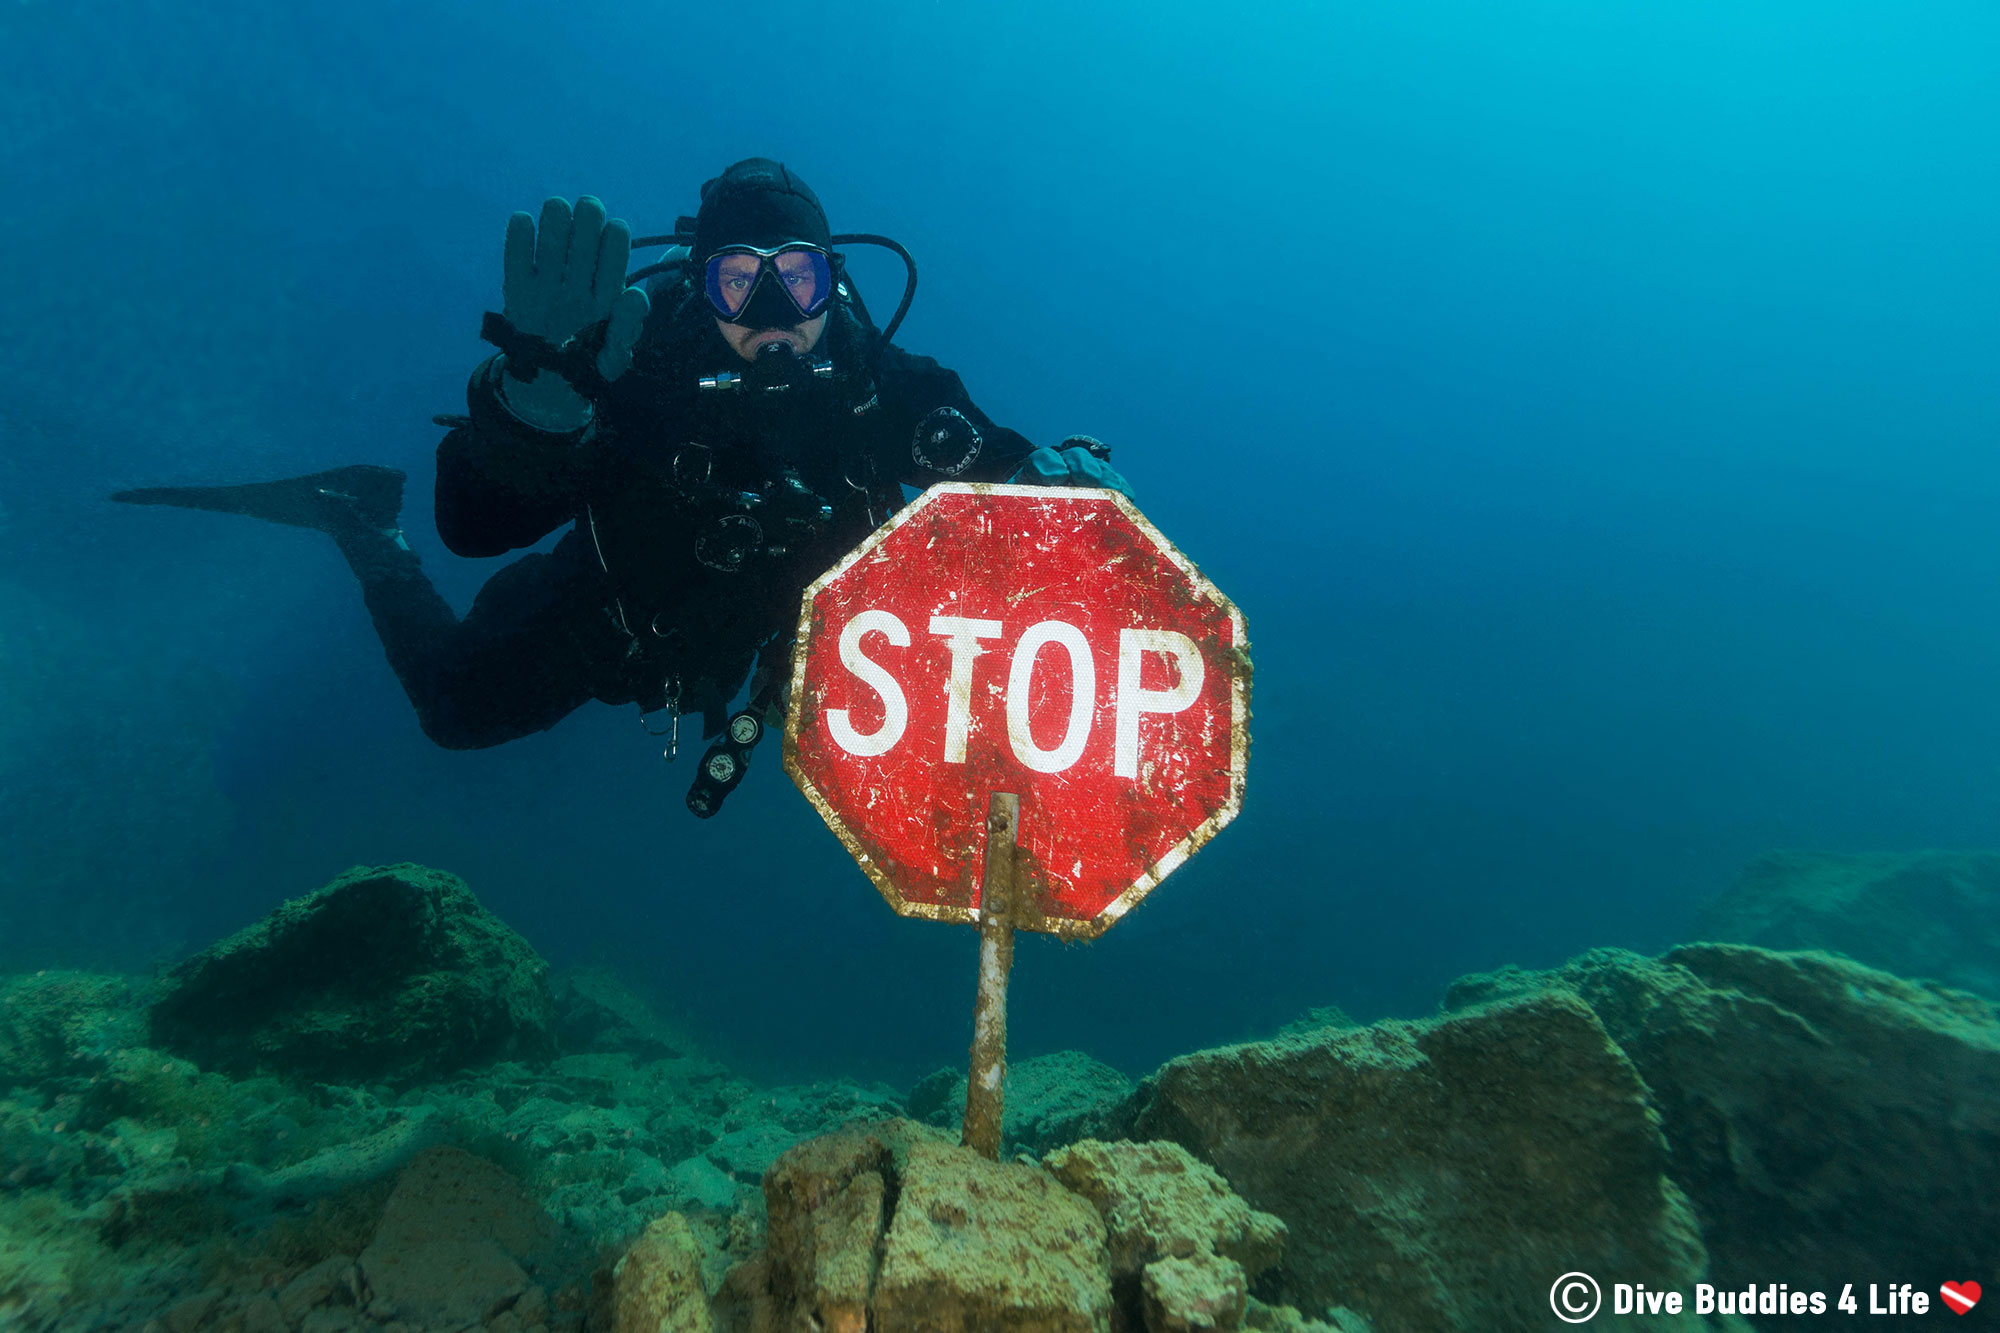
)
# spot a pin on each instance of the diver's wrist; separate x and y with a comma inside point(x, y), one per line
point(546, 403)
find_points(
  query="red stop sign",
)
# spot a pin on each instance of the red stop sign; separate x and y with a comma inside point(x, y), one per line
point(1046, 642)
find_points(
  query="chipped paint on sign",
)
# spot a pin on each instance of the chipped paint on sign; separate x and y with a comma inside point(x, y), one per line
point(1045, 642)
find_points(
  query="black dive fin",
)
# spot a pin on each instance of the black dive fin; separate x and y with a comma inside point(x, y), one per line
point(324, 500)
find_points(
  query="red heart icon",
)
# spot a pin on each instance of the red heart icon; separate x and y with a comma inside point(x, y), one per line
point(1959, 1297)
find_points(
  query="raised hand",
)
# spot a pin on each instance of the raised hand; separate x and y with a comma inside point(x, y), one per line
point(557, 281)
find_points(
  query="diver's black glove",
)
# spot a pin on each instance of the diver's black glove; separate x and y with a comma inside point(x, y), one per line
point(557, 285)
point(1075, 464)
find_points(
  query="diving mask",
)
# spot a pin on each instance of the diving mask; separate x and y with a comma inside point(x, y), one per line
point(769, 289)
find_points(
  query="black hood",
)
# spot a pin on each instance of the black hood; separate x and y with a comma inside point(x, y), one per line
point(759, 203)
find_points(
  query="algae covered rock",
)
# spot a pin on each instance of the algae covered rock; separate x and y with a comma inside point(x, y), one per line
point(1916, 914)
point(1158, 1200)
point(1440, 1175)
point(893, 1228)
point(388, 973)
point(656, 1287)
point(1203, 1293)
point(1262, 1318)
point(1319, 1016)
point(1825, 1118)
point(977, 1245)
point(1049, 1100)
point(54, 1024)
point(825, 1200)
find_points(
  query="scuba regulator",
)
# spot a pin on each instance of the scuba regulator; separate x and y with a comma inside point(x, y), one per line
point(777, 369)
point(763, 524)
point(785, 513)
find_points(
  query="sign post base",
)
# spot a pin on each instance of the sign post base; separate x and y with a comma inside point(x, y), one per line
point(988, 1073)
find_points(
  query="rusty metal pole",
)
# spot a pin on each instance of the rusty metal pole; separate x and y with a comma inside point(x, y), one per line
point(988, 1073)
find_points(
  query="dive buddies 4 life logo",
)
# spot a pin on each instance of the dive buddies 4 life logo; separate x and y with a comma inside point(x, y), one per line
point(1576, 1299)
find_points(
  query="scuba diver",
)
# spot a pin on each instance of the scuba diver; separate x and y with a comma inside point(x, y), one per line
point(717, 437)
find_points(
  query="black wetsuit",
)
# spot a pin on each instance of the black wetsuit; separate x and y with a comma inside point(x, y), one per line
point(624, 608)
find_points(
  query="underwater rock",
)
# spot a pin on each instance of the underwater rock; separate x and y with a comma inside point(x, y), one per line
point(55, 1024)
point(262, 1315)
point(656, 1286)
point(1826, 1119)
point(331, 1278)
point(1262, 1318)
point(1049, 1100)
point(824, 1200)
point(388, 973)
point(185, 1316)
point(342, 1166)
point(1916, 914)
point(1439, 1175)
point(1183, 1247)
point(1158, 1200)
point(748, 1153)
point(893, 1228)
point(931, 1097)
point(976, 1245)
point(699, 1183)
point(1203, 1293)
point(1320, 1016)
point(597, 1013)
point(456, 1244)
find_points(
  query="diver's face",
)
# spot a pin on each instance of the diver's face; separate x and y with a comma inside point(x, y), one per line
point(801, 338)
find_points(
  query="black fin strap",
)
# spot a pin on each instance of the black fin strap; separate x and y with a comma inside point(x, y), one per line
point(529, 354)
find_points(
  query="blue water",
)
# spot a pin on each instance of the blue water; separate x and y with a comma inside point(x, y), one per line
point(1591, 406)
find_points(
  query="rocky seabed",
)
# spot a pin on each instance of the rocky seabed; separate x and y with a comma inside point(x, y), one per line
point(255, 1143)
